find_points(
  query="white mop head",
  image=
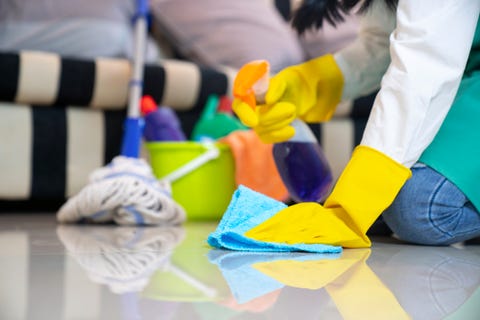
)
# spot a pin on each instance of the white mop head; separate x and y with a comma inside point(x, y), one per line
point(125, 192)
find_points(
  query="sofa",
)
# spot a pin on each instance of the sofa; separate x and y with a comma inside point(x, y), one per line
point(61, 117)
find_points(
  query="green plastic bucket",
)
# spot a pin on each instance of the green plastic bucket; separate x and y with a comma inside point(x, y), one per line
point(204, 191)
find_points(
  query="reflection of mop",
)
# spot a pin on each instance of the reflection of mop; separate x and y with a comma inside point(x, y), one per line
point(126, 190)
point(123, 258)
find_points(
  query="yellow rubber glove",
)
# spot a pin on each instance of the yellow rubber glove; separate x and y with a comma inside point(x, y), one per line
point(314, 88)
point(272, 125)
point(367, 186)
point(310, 91)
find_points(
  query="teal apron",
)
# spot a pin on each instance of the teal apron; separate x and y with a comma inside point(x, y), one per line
point(455, 151)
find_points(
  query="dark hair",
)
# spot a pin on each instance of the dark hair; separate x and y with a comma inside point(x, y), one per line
point(312, 13)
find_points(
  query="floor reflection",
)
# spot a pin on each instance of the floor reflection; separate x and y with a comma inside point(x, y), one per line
point(387, 282)
point(172, 272)
point(52, 271)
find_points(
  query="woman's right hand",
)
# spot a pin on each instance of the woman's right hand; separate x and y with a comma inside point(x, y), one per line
point(310, 91)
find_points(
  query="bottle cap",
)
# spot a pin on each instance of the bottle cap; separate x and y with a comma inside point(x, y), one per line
point(147, 105)
point(225, 105)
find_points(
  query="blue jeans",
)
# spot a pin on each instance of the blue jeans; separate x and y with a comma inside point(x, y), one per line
point(431, 210)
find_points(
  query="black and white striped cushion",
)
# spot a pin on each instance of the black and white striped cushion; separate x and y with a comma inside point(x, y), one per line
point(42, 78)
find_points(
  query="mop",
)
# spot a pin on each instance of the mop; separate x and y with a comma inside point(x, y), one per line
point(126, 191)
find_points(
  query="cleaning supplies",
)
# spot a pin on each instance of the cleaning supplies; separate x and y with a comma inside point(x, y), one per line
point(161, 124)
point(213, 124)
point(300, 160)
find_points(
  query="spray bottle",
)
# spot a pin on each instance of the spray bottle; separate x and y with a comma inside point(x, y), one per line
point(161, 124)
point(212, 124)
point(300, 161)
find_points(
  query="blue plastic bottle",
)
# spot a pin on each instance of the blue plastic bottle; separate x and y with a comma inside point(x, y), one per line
point(161, 123)
point(302, 165)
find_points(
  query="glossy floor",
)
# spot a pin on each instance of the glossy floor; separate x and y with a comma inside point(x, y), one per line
point(51, 271)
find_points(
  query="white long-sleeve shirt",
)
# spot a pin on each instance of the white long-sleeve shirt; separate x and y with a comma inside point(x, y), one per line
point(416, 55)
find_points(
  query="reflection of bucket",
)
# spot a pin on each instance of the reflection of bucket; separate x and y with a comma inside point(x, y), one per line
point(189, 275)
point(204, 192)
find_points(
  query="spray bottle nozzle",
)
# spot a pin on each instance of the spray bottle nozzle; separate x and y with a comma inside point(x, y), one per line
point(251, 82)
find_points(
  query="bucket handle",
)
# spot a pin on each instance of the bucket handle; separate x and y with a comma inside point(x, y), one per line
point(211, 153)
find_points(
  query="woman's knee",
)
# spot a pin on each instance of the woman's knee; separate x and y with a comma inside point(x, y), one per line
point(431, 223)
point(427, 210)
point(414, 225)
point(415, 216)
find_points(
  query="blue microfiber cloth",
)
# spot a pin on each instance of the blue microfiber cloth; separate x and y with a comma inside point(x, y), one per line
point(245, 282)
point(246, 210)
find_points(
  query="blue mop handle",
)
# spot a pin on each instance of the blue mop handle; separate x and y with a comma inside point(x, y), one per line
point(132, 136)
point(133, 126)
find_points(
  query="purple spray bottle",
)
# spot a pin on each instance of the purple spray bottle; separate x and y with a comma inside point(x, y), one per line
point(302, 165)
point(161, 123)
